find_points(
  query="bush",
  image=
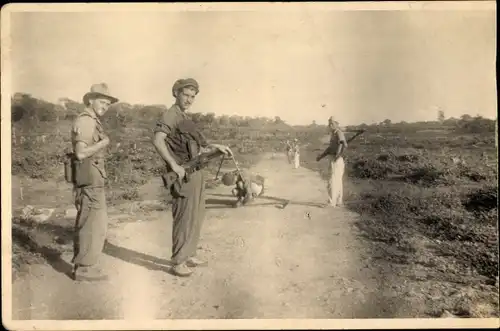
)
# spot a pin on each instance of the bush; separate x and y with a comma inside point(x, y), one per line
point(368, 168)
point(461, 221)
point(130, 194)
point(427, 175)
point(482, 200)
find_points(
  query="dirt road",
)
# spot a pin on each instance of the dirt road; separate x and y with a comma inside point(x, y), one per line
point(303, 261)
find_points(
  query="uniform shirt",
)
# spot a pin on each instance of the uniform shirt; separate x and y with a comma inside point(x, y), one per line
point(87, 128)
point(183, 139)
point(336, 138)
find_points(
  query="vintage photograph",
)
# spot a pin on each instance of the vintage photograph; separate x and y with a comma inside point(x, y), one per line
point(223, 162)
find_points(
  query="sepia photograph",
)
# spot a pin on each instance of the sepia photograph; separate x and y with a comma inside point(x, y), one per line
point(255, 165)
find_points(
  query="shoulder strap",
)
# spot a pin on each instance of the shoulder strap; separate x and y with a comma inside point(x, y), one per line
point(83, 113)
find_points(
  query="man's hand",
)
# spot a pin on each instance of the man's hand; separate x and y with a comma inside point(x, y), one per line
point(224, 149)
point(104, 139)
point(318, 158)
point(179, 171)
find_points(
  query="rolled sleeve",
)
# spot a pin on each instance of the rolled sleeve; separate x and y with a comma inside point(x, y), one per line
point(341, 137)
point(83, 130)
point(166, 123)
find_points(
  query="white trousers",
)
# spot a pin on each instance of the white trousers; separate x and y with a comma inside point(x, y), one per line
point(335, 181)
point(296, 160)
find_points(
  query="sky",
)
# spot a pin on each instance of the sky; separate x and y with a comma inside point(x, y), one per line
point(303, 66)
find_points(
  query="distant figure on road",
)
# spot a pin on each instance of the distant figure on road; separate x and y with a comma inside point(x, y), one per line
point(296, 154)
point(177, 140)
point(336, 165)
point(89, 140)
point(289, 151)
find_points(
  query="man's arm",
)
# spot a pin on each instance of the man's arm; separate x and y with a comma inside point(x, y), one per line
point(325, 153)
point(83, 151)
point(223, 148)
point(342, 144)
point(161, 148)
point(84, 130)
point(164, 127)
point(207, 147)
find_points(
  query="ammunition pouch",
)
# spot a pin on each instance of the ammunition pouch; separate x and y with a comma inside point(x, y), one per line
point(77, 172)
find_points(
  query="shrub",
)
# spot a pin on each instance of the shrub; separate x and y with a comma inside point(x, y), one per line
point(130, 194)
point(482, 200)
point(369, 168)
point(426, 175)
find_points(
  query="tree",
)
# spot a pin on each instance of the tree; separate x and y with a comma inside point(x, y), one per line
point(441, 117)
point(234, 120)
point(196, 117)
point(17, 113)
point(224, 120)
point(465, 117)
point(209, 118)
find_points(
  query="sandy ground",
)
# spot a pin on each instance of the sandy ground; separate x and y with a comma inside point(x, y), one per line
point(303, 261)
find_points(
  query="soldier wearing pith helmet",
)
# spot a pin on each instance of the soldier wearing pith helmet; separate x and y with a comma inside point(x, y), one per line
point(336, 165)
point(89, 142)
point(178, 140)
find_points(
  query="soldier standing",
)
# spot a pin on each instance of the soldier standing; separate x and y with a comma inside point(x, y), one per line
point(89, 142)
point(336, 164)
point(289, 151)
point(177, 141)
point(296, 153)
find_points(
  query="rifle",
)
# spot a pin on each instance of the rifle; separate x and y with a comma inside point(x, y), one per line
point(172, 181)
point(328, 151)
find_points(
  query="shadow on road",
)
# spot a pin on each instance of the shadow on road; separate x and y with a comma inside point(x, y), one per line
point(49, 254)
point(226, 203)
point(279, 202)
point(141, 259)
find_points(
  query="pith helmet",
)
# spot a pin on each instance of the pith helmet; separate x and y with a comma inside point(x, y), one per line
point(229, 179)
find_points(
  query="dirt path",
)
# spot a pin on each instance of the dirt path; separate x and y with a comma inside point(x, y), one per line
point(302, 261)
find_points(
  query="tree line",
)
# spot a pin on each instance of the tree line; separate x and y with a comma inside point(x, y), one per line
point(27, 109)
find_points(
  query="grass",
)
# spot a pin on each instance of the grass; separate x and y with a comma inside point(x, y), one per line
point(423, 211)
point(419, 208)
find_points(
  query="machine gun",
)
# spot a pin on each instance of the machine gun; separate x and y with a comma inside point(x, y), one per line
point(329, 150)
point(172, 181)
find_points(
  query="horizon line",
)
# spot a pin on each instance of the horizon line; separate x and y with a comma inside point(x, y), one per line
point(252, 117)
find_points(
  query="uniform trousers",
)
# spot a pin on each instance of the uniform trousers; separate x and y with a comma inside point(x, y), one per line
point(335, 181)
point(188, 213)
point(90, 226)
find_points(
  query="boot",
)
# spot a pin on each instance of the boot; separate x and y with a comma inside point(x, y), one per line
point(182, 270)
point(196, 262)
point(247, 199)
point(88, 274)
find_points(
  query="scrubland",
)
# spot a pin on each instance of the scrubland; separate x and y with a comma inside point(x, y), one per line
point(427, 193)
